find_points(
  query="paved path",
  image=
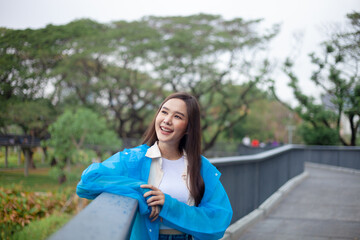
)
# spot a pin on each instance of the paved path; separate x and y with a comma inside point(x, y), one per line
point(326, 205)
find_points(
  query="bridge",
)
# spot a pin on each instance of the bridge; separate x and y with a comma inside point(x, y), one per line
point(325, 205)
point(260, 188)
point(19, 140)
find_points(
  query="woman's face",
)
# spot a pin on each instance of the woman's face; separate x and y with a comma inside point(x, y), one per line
point(171, 121)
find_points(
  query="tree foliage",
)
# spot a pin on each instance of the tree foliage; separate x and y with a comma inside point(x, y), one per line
point(123, 70)
point(337, 76)
point(267, 120)
point(76, 129)
point(210, 58)
point(319, 135)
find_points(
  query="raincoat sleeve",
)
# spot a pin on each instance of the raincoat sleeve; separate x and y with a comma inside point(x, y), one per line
point(209, 219)
point(111, 176)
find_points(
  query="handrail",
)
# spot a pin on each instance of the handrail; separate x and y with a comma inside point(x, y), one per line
point(279, 150)
point(109, 216)
point(255, 157)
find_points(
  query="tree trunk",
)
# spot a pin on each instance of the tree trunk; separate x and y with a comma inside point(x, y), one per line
point(19, 155)
point(353, 130)
point(32, 163)
point(27, 161)
point(62, 178)
point(53, 162)
point(44, 155)
point(6, 156)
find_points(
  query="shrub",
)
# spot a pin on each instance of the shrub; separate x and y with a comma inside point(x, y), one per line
point(319, 136)
point(19, 208)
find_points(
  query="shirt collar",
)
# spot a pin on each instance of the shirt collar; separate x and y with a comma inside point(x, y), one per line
point(153, 151)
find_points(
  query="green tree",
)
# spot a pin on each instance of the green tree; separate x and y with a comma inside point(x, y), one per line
point(219, 61)
point(26, 58)
point(122, 70)
point(33, 117)
point(102, 70)
point(337, 75)
point(320, 135)
point(267, 120)
point(140, 62)
point(76, 130)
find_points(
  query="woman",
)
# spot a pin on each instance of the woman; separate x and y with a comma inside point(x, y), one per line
point(179, 192)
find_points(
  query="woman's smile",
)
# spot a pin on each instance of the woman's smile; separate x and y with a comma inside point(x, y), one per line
point(165, 130)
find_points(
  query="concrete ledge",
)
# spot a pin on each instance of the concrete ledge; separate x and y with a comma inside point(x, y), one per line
point(292, 183)
point(270, 203)
point(236, 229)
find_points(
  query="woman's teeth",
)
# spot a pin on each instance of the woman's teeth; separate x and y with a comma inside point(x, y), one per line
point(165, 130)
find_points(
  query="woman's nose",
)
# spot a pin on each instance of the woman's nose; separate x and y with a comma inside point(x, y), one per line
point(167, 120)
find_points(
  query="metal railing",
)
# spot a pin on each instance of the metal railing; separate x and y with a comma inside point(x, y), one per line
point(248, 180)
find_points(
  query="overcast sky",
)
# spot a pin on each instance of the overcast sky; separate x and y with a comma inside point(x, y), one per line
point(306, 18)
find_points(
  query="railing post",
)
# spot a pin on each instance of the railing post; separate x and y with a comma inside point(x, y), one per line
point(109, 217)
point(257, 186)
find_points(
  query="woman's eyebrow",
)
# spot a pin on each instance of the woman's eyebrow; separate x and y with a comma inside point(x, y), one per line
point(175, 111)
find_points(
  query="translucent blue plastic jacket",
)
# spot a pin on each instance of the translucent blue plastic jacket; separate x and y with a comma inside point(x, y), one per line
point(125, 171)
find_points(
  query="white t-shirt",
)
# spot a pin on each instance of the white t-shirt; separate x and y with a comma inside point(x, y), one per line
point(172, 182)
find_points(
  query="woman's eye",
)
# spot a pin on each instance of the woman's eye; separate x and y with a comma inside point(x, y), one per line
point(178, 117)
point(163, 112)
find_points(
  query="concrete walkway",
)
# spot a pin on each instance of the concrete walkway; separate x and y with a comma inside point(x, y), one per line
point(326, 205)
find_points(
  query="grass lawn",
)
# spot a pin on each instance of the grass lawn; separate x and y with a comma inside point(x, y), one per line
point(41, 179)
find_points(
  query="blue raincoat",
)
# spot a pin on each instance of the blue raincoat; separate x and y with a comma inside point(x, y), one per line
point(125, 171)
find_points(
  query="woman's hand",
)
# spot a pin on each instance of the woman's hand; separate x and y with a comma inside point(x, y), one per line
point(155, 202)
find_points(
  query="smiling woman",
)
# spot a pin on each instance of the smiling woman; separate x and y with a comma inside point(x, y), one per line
point(179, 191)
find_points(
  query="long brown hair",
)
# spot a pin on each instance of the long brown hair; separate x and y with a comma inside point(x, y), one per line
point(190, 143)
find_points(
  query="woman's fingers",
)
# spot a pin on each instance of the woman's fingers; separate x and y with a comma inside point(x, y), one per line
point(154, 190)
point(148, 186)
point(149, 193)
point(158, 197)
point(156, 200)
point(155, 210)
point(155, 218)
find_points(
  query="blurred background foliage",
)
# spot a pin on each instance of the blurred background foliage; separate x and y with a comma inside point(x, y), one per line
point(122, 70)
